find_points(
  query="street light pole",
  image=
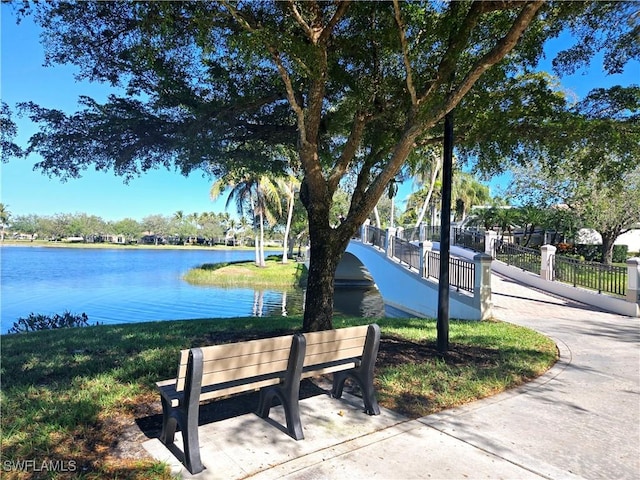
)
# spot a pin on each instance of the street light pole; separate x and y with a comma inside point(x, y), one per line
point(442, 324)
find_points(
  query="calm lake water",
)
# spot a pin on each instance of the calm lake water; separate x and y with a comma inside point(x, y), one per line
point(127, 286)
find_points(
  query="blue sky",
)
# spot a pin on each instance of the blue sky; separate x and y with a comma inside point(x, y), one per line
point(23, 78)
point(24, 191)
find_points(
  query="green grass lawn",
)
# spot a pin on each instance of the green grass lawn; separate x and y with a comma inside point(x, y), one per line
point(67, 393)
point(243, 273)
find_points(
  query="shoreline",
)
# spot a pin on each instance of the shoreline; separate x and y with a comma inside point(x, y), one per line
point(116, 246)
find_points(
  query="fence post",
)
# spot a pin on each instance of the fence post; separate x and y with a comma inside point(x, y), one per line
point(388, 246)
point(633, 280)
point(490, 239)
point(425, 246)
point(482, 285)
point(547, 262)
point(363, 233)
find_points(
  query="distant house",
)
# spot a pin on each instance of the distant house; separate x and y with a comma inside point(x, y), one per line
point(152, 239)
point(118, 239)
point(25, 236)
point(631, 238)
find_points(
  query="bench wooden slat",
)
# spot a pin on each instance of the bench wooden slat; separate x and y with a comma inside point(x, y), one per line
point(342, 334)
point(335, 345)
point(215, 352)
point(229, 363)
point(269, 352)
point(245, 371)
point(330, 355)
point(238, 389)
point(168, 390)
point(319, 370)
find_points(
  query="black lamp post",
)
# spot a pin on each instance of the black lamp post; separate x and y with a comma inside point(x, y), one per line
point(442, 324)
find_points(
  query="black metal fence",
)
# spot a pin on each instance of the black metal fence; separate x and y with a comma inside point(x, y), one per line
point(376, 236)
point(525, 258)
point(461, 272)
point(593, 275)
point(470, 239)
point(421, 233)
point(409, 234)
point(407, 252)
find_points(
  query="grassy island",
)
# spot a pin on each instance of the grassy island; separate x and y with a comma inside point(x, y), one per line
point(247, 273)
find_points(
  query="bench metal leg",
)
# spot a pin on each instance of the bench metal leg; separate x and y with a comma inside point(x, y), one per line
point(288, 392)
point(189, 415)
point(191, 442)
point(169, 422)
point(363, 374)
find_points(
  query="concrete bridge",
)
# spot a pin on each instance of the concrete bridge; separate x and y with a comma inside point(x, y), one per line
point(403, 287)
point(406, 275)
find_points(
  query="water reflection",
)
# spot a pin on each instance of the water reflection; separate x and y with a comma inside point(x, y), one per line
point(356, 301)
point(129, 286)
point(364, 301)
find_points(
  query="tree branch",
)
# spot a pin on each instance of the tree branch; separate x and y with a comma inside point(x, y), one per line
point(497, 53)
point(318, 35)
point(244, 23)
point(457, 41)
point(305, 26)
point(349, 151)
point(328, 29)
point(405, 54)
point(291, 94)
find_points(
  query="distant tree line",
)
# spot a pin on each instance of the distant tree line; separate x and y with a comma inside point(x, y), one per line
point(178, 228)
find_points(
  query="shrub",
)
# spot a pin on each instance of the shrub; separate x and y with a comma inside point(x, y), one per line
point(45, 322)
point(620, 253)
point(593, 253)
point(590, 252)
point(565, 249)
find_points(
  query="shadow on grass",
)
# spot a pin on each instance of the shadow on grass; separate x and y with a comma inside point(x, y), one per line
point(71, 391)
point(224, 409)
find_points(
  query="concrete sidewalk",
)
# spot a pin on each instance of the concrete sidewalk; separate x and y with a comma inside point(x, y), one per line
point(579, 420)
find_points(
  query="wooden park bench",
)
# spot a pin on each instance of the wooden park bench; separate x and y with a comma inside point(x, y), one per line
point(346, 353)
point(273, 365)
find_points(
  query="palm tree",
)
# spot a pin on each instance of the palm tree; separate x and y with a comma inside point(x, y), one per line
point(289, 187)
point(193, 218)
point(5, 215)
point(426, 172)
point(231, 225)
point(468, 192)
point(254, 194)
point(243, 225)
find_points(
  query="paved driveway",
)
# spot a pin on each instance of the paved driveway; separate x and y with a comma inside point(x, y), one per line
point(585, 419)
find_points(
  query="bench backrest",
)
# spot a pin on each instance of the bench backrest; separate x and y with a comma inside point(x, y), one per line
point(237, 367)
point(334, 350)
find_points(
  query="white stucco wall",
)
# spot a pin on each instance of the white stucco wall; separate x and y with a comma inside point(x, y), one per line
point(631, 239)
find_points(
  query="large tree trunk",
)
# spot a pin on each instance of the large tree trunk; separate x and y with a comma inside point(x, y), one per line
point(327, 248)
point(608, 240)
point(318, 311)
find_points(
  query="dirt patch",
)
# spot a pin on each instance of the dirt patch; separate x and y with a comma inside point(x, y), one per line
point(397, 351)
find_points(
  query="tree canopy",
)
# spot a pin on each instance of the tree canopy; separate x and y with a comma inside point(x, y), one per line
point(354, 87)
